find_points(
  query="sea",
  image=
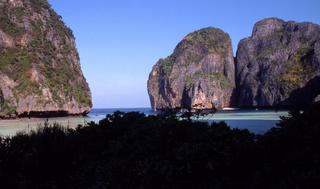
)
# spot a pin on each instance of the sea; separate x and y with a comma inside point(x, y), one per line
point(256, 121)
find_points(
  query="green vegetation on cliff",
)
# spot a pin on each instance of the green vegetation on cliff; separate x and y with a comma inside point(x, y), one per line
point(16, 63)
point(300, 69)
point(41, 55)
point(211, 39)
point(218, 78)
point(9, 27)
point(166, 65)
point(7, 108)
point(38, 5)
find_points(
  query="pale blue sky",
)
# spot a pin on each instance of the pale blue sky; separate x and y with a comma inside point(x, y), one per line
point(120, 40)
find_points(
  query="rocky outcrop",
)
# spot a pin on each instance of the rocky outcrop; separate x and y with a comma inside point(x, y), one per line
point(276, 64)
point(198, 75)
point(40, 72)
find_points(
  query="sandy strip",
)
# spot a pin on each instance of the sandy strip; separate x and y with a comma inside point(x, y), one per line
point(11, 127)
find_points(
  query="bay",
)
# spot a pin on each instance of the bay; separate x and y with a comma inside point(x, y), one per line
point(257, 121)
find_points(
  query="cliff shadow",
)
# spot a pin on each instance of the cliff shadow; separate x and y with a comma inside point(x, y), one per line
point(186, 101)
point(45, 114)
point(303, 97)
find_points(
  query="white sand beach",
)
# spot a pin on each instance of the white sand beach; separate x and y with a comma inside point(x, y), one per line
point(11, 127)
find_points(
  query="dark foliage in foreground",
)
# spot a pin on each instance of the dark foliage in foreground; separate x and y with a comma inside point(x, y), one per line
point(134, 151)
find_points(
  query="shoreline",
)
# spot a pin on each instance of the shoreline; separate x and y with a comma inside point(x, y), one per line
point(41, 115)
point(10, 127)
point(236, 118)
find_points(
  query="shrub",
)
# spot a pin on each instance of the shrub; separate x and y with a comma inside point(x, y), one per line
point(9, 27)
point(131, 150)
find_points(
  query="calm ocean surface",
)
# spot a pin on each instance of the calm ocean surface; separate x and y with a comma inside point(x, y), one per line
point(257, 121)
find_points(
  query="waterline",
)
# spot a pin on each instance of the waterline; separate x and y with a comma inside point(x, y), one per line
point(257, 121)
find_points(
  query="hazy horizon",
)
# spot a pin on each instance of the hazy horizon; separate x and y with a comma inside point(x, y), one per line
point(120, 40)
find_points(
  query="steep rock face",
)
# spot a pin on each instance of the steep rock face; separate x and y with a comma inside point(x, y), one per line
point(199, 74)
point(275, 66)
point(40, 71)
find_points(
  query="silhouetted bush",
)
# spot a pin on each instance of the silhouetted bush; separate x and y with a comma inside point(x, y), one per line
point(131, 150)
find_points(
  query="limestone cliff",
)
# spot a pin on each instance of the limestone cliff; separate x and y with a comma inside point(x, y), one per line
point(279, 64)
point(40, 72)
point(199, 74)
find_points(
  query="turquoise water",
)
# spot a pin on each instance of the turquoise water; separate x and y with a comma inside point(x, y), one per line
point(255, 121)
point(98, 114)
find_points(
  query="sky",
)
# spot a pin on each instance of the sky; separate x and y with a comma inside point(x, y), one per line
point(120, 40)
